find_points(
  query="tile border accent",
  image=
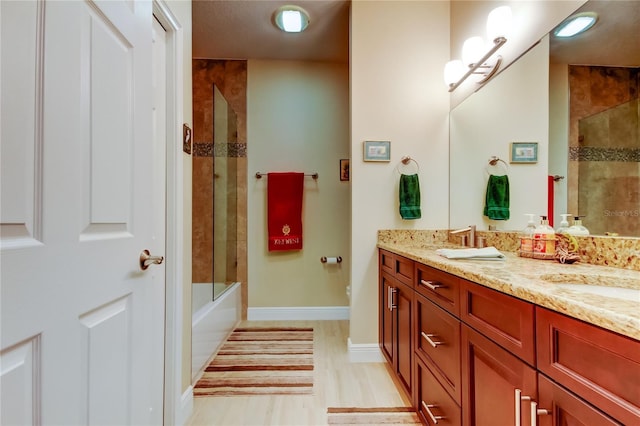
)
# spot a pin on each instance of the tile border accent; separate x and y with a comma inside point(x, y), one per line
point(590, 153)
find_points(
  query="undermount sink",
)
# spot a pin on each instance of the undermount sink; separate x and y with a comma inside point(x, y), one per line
point(599, 285)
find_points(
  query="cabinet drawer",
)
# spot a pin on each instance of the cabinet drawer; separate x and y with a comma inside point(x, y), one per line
point(433, 403)
point(564, 408)
point(387, 262)
point(397, 266)
point(404, 270)
point(504, 319)
point(441, 288)
point(438, 343)
point(598, 365)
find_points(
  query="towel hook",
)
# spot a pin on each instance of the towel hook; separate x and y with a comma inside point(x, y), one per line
point(494, 161)
point(406, 160)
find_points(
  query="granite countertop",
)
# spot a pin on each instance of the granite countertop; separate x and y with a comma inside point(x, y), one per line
point(537, 281)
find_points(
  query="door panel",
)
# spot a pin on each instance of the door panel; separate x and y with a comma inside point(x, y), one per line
point(85, 199)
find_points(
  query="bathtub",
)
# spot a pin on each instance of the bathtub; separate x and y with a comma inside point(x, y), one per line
point(212, 322)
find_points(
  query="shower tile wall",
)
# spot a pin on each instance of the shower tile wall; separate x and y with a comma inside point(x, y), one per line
point(230, 78)
point(604, 148)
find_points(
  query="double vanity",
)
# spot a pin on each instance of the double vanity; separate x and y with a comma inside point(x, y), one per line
point(510, 342)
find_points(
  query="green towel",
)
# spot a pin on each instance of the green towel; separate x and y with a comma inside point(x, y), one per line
point(410, 197)
point(496, 205)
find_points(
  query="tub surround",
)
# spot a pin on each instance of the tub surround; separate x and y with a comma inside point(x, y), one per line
point(530, 279)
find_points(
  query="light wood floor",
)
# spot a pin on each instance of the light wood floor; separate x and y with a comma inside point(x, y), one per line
point(337, 383)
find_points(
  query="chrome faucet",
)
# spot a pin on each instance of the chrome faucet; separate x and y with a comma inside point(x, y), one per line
point(471, 242)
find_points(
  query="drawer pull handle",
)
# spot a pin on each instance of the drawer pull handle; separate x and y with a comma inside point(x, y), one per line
point(394, 291)
point(428, 408)
point(433, 343)
point(518, 406)
point(535, 412)
point(433, 285)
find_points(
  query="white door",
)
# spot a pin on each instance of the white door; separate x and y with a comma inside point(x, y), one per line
point(82, 193)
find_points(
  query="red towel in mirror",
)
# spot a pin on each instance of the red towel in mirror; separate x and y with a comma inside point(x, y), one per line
point(284, 210)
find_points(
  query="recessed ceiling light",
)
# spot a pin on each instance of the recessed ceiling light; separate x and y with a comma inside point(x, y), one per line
point(291, 19)
point(576, 24)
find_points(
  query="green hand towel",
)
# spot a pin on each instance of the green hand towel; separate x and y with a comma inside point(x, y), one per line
point(410, 197)
point(497, 199)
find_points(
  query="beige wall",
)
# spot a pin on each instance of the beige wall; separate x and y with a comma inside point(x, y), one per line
point(397, 94)
point(298, 120)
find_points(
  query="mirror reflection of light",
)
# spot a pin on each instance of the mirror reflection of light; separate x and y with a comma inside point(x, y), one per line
point(576, 25)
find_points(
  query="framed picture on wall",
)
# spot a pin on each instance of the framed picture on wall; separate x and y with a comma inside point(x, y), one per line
point(524, 152)
point(377, 151)
point(344, 169)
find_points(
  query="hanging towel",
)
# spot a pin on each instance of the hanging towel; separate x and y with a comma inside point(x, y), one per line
point(410, 197)
point(284, 210)
point(496, 205)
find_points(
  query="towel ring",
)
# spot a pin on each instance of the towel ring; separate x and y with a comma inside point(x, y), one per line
point(495, 162)
point(406, 160)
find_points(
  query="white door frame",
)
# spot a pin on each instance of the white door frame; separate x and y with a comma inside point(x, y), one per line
point(176, 407)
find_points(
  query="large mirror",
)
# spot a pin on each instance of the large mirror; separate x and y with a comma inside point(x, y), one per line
point(530, 102)
point(594, 143)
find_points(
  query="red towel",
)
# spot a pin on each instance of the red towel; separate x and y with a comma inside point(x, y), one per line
point(284, 210)
point(550, 199)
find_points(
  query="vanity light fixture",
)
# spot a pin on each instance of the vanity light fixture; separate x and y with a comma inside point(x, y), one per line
point(475, 58)
point(576, 24)
point(291, 19)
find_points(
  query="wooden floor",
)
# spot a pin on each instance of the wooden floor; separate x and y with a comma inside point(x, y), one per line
point(337, 383)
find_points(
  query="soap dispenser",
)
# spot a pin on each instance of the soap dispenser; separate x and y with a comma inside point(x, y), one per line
point(564, 224)
point(526, 238)
point(544, 240)
point(577, 228)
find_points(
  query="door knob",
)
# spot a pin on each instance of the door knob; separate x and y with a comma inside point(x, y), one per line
point(146, 259)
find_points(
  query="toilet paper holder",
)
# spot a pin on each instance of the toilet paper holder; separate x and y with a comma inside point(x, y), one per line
point(325, 259)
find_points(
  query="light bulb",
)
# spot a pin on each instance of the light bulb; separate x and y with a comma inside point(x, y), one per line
point(499, 23)
point(453, 71)
point(473, 50)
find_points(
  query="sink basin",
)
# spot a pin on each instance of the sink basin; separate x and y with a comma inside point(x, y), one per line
point(622, 288)
point(630, 294)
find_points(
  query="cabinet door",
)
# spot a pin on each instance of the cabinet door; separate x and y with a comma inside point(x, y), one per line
point(386, 333)
point(491, 379)
point(560, 407)
point(402, 302)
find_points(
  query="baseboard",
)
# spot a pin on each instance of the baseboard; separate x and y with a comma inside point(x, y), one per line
point(186, 407)
point(303, 313)
point(369, 352)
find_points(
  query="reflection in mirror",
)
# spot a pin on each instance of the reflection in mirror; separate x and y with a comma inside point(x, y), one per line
point(594, 81)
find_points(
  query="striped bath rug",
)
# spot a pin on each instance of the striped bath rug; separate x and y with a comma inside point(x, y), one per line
point(372, 416)
point(261, 361)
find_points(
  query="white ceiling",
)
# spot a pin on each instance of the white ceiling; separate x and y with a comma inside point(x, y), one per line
point(244, 29)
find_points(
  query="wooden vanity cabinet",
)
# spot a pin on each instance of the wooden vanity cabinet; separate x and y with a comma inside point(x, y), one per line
point(396, 312)
point(470, 355)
